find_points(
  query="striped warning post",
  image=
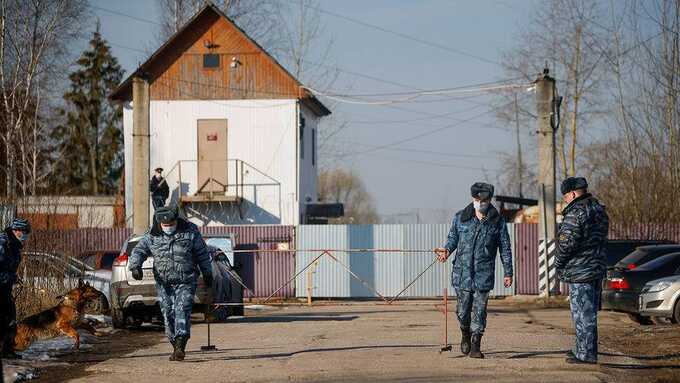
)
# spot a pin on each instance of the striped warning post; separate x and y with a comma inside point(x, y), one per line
point(546, 264)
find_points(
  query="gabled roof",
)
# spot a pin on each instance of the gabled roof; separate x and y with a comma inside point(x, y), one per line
point(207, 15)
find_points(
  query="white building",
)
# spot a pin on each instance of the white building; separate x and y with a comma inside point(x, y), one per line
point(234, 131)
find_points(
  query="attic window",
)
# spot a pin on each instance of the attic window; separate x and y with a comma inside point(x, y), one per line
point(211, 61)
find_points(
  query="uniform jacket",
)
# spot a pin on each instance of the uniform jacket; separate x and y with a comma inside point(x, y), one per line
point(176, 257)
point(159, 187)
point(476, 244)
point(581, 240)
point(10, 257)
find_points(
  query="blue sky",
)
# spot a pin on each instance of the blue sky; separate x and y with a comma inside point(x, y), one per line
point(398, 180)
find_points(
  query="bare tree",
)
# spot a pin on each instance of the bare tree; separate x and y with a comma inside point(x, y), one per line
point(259, 18)
point(564, 35)
point(637, 169)
point(34, 39)
point(304, 37)
point(342, 186)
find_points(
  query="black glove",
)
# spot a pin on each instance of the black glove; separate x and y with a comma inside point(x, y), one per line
point(208, 280)
point(137, 274)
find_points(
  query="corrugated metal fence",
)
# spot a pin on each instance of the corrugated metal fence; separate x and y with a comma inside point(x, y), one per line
point(263, 272)
point(526, 258)
point(387, 272)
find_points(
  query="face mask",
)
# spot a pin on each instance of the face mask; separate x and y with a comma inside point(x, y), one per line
point(23, 237)
point(169, 230)
point(481, 207)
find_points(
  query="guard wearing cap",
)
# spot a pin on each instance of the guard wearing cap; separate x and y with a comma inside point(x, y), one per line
point(581, 262)
point(12, 240)
point(477, 233)
point(178, 252)
point(159, 189)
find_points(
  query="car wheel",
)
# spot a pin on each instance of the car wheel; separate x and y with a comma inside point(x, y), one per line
point(639, 319)
point(675, 319)
point(118, 318)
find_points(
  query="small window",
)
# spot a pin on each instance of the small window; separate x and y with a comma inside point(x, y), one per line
point(211, 61)
point(302, 137)
point(313, 147)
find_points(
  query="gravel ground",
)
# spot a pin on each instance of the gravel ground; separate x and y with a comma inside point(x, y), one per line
point(369, 341)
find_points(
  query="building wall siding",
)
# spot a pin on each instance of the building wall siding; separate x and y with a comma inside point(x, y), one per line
point(260, 132)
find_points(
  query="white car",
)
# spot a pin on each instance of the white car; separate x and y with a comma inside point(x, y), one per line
point(54, 272)
point(661, 298)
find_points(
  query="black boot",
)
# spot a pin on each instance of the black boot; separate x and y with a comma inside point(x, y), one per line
point(474, 350)
point(180, 346)
point(174, 351)
point(465, 341)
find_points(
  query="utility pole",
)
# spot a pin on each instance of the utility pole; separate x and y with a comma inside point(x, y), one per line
point(520, 174)
point(545, 92)
point(140, 155)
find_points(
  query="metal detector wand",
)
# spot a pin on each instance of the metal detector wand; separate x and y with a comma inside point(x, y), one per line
point(447, 346)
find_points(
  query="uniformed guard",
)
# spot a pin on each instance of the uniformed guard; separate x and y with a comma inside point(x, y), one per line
point(581, 262)
point(12, 240)
point(178, 250)
point(477, 233)
point(158, 186)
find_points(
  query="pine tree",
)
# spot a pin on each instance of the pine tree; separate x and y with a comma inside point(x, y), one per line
point(89, 145)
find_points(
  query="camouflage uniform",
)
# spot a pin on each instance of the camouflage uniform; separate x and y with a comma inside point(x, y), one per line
point(581, 262)
point(176, 259)
point(476, 243)
point(176, 304)
point(471, 310)
point(585, 301)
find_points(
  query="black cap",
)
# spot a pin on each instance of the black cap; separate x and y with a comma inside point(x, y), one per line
point(573, 183)
point(482, 190)
point(159, 170)
point(166, 214)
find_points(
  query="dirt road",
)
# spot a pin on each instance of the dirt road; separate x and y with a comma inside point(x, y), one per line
point(369, 342)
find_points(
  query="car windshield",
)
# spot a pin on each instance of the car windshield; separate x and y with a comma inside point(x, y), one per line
point(658, 263)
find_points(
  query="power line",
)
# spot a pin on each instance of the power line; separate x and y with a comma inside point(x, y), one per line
point(402, 35)
point(437, 91)
point(420, 135)
point(358, 74)
point(423, 151)
point(350, 99)
point(126, 15)
point(436, 164)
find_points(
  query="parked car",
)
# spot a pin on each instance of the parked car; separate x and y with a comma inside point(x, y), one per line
point(134, 302)
point(622, 287)
point(99, 259)
point(661, 298)
point(644, 254)
point(617, 249)
point(51, 270)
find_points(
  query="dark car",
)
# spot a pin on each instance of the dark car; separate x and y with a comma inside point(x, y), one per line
point(644, 254)
point(622, 287)
point(617, 249)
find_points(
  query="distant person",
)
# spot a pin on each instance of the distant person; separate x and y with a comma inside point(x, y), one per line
point(581, 262)
point(178, 252)
point(477, 233)
point(12, 240)
point(159, 189)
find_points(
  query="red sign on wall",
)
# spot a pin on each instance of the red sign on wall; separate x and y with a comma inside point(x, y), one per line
point(212, 137)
